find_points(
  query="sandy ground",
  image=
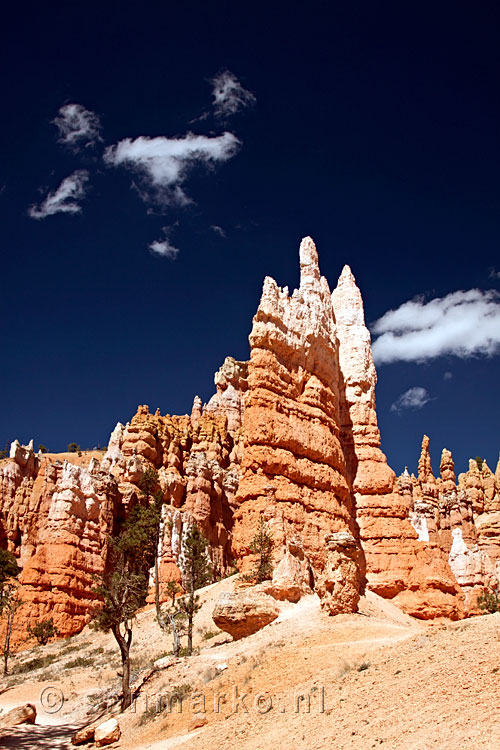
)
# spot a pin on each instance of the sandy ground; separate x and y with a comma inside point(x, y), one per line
point(307, 680)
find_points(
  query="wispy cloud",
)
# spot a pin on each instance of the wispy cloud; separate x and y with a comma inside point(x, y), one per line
point(464, 324)
point(64, 200)
point(78, 127)
point(165, 163)
point(494, 274)
point(448, 375)
point(229, 96)
point(218, 230)
point(413, 398)
point(164, 247)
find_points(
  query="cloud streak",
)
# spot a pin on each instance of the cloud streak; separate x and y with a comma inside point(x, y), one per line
point(463, 324)
point(229, 96)
point(164, 247)
point(413, 398)
point(163, 164)
point(78, 127)
point(65, 200)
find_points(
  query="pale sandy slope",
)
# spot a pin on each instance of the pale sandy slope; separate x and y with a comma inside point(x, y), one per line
point(376, 678)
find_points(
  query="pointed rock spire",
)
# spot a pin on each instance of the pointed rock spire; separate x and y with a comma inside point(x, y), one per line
point(424, 464)
point(309, 267)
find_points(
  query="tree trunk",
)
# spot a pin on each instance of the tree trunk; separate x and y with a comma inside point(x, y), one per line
point(124, 645)
point(8, 633)
point(175, 633)
point(190, 623)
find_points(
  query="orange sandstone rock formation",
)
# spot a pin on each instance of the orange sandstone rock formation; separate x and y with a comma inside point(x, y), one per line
point(416, 575)
point(453, 517)
point(290, 436)
point(293, 471)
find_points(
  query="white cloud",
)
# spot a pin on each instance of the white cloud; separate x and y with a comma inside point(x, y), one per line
point(413, 398)
point(494, 274)
point(164, 163)
point(77, 126)
point(164, 247)
point(218, 230)
point(64, 200)
point(464, 324)
point(229, 95)
point(447, 375)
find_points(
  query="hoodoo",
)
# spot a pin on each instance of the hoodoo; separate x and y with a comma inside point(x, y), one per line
point(291, 437)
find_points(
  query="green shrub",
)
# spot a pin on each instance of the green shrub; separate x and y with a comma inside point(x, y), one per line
point(489, 600)
point(43, 631)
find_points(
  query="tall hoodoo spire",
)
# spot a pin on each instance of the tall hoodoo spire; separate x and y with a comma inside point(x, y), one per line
point(309, 267)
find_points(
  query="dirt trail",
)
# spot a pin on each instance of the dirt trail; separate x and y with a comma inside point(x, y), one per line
point(375, 678)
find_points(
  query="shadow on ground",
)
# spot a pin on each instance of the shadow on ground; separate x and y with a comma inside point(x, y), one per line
point(46, 738)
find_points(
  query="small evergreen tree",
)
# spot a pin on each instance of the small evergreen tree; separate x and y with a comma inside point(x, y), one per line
point(9, 600)
point(479, 462)
point(42, 448)
point(197, 572)
point(489, 600)
point(123, 587)
point(173, 616)
point(43, 631)
point(73, 448)
point(262, 545)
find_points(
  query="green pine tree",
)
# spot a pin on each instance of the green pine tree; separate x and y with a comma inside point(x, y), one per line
point(197, 572)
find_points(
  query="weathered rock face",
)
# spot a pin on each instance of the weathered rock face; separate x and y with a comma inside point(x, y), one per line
point(231, 383)
point(293, 469)
point(57, 516)
point(71, 546)
point(340, 582)
point(415, 574)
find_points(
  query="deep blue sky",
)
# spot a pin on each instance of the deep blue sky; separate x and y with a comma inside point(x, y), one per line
point(375, 130)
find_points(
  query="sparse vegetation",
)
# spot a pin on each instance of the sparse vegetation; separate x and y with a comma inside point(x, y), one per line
point(479, 462)
point(208, 635)
point(80, 661)
point(262, 545)
point(43, 631)
point(42, 448)
point(73, 448)
point(364, 665)
point(489, 600)
point(38, 662)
